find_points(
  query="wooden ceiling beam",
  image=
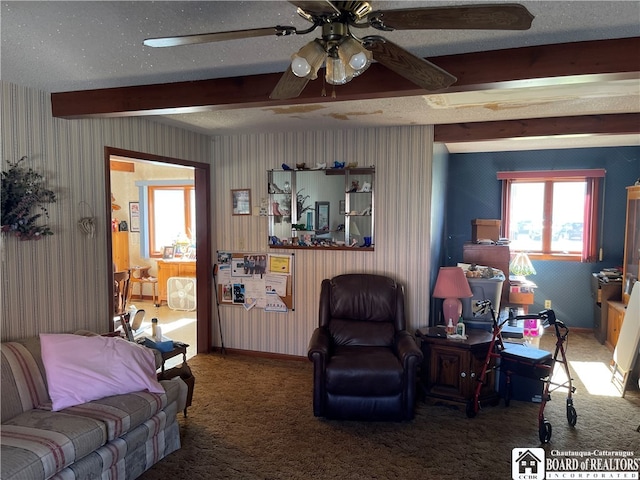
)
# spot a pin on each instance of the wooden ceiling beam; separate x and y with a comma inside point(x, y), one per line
point(613, 124)
point(473, 70)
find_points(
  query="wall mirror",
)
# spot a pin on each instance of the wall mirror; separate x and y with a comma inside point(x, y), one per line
point(321, 208)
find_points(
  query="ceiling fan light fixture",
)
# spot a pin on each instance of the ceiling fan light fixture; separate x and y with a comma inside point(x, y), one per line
point(352, 52)
point(337, 71)
point(308, 60)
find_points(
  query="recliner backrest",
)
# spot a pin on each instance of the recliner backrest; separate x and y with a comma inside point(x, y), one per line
point(362, 309)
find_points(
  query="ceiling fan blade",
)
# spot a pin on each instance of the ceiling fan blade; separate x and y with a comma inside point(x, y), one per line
point(289, 86)
point(508, 16)
point(217, 36)
point(418, 70)
point(320, 8)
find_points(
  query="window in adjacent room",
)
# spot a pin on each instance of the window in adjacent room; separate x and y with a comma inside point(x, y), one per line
point(172, 214)
point(552, 214)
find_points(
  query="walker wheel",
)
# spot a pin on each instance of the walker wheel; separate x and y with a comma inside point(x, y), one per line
point(572, 416)
point(544, 431)
point(472, 411)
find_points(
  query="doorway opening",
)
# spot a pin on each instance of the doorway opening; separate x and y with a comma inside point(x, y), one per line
point(182, 306)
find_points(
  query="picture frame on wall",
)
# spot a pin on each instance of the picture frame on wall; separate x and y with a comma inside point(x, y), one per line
point(134, 216)
point(241, 201)
point(322, 216)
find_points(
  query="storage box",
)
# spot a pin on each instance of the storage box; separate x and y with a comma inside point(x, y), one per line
point(521, 298)
point(482, 229)
point(482, 289)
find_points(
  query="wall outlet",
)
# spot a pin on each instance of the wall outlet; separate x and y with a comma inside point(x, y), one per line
point(547, 304)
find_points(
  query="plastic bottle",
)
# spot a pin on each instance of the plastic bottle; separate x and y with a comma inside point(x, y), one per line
point(154, 328)
point(158, 337)
point(461, 328)
point(450, 328)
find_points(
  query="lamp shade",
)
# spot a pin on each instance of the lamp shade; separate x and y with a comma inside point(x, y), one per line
point(521, 265)
point(308, 60)
point(452, 285)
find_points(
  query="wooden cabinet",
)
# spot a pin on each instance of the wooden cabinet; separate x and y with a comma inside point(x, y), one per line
point(615, 316)
point(601, 293)
point(172, 268)
point(120, 250)
point(451, 368)
point(631, 264)
point(496, 256)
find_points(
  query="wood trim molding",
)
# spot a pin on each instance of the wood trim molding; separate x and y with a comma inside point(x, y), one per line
point(122, 166)
point(622, 123)
point(472, 69)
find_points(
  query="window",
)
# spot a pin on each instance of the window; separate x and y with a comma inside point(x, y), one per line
point(172, 214)
point(552, 214)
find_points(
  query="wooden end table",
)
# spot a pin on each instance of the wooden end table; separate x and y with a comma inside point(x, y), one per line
point(179, 348)
point(451, 367)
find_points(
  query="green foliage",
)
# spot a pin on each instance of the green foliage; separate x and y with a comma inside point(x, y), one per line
point(22, 191)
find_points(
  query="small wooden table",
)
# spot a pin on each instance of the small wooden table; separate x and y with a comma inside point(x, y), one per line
point(450, 368)
point(184, 372)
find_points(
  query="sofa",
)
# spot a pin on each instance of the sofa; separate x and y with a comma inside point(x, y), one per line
point(113, 437)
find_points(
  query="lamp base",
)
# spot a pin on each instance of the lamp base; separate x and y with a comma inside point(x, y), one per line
point(451, 309)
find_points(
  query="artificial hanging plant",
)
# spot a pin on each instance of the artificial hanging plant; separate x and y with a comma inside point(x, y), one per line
point(22, 191)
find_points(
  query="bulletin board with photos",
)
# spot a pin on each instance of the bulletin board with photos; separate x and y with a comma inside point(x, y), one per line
point(261, 280)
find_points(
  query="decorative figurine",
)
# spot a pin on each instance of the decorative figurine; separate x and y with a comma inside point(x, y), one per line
point(337, 164)
point(355, 184)
point(300, 166)
point(320, 166)
point(352, 165)
point(276, 208)
point(286, 167)
point(273, 188)
point(366, 187)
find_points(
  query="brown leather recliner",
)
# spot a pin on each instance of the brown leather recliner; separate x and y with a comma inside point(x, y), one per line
point(365, 361)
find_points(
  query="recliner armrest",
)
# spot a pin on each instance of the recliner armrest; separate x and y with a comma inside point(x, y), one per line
point(319, 344)
point(407, 347)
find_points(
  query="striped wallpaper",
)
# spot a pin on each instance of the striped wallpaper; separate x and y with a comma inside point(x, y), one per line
point(402, 157)
point(58, 284)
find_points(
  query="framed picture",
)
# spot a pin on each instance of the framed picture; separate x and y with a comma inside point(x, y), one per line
point(134, 216)
point(241, 201)
point(168, 252)
point(322, 216)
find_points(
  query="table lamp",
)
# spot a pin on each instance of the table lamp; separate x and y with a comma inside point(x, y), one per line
point(452, 285)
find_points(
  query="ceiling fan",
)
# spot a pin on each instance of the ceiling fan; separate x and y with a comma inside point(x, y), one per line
point(346, 56)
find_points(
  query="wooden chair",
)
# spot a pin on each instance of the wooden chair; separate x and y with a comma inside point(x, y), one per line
point(141, 276)
point(120, 298)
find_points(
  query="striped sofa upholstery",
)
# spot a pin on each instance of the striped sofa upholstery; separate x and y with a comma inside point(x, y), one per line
point(117, 437)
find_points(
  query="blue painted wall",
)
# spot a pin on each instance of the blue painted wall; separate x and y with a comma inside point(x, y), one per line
point(473, 191)
point(439, 173)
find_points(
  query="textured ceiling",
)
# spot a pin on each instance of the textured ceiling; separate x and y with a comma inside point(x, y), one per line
point(64, 46)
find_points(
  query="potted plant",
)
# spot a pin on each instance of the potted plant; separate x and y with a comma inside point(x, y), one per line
point(22, 191)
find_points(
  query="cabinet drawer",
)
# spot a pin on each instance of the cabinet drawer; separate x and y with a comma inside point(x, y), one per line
point(188, 270)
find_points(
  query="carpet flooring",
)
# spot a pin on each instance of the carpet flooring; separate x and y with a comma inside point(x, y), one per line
point(252, 418)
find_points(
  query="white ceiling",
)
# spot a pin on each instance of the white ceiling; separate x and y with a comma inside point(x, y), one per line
point(65, 46)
